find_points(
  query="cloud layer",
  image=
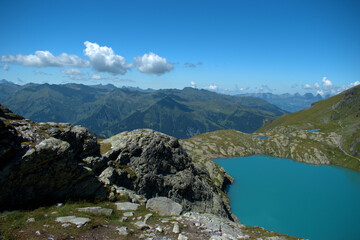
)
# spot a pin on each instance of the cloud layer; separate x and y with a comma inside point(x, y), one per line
point(327, 88)
point(101, 59)
point(152, 64)
point(74, 74)
point(46, 59)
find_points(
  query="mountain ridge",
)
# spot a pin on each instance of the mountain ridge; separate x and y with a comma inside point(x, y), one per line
point(107, 110)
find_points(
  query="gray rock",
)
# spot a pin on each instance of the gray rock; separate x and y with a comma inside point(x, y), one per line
point(107, 176)
point(176, 228)
point(218, 227)
point(128, 214)
point(154, 164)
point(96, 210)
point(50, 156)
point(141, 225)
point(53, 145)
point(129, 194)
point(182, 237)
point(147, 216)
point(122, 230)
point(30, 220)
point(164, 206)
point(65, 225)
point(78, 221)
point(126, 206)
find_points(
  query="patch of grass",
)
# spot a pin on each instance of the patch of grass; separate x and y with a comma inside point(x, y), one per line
point(104, 147)
point(13, 225)
point(259, 232)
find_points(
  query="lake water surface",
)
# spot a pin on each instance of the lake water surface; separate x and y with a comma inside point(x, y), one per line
point(315, 202)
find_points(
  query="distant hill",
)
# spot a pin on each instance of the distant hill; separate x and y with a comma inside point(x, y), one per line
point(288, 102)
point(107, 110)
point(7, 89)
point(326, 133)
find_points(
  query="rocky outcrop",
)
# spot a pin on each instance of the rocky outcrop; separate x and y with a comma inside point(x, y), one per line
point(154, 164)
point(44, 163)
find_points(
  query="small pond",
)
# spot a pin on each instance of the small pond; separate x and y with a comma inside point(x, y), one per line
point(261, 137)
point(314, 130)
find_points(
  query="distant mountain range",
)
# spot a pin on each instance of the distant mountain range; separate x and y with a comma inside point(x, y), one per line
point(288, 102)
point(107, 110)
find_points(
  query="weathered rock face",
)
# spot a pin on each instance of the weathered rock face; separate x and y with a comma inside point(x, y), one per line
point(154, 164)
point(41, 163)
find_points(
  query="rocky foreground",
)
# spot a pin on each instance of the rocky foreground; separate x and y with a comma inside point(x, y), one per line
point(46, 163)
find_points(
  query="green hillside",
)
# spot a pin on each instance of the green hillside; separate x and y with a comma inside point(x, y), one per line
point(339, 114)
point(336, 139)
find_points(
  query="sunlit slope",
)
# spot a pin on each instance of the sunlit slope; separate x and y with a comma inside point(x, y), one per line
point(339, 114)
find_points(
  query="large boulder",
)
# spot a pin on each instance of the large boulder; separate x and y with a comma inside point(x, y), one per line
point(164, 206)
point(42, 163)
point(155, 165)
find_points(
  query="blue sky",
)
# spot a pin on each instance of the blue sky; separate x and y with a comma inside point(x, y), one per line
point(234, 46)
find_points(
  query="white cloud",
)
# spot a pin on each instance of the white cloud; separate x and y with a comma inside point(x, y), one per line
point(6, 67)
point(321, 92)
point(152, 64)
point(74, 74)
point(212, 87)
point(46, 59)
point(307, 86)
point(72, 71)
point(354, 84)
point(41, 73)
point(96, 77)
point(104, 59)
point(193, 84)
point(326, 83)
point(316, 85)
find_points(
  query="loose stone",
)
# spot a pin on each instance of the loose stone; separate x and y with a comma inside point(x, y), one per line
point(30, 220)
point(176, 228)
point(122, 230)
point(126, 206)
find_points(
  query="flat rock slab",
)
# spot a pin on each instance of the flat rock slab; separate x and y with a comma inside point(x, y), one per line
point(164, 206)
point(79, 221)
point(126, 206)
point(96, 210)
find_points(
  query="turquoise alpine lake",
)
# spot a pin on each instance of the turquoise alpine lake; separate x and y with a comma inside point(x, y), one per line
point(302, 200)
